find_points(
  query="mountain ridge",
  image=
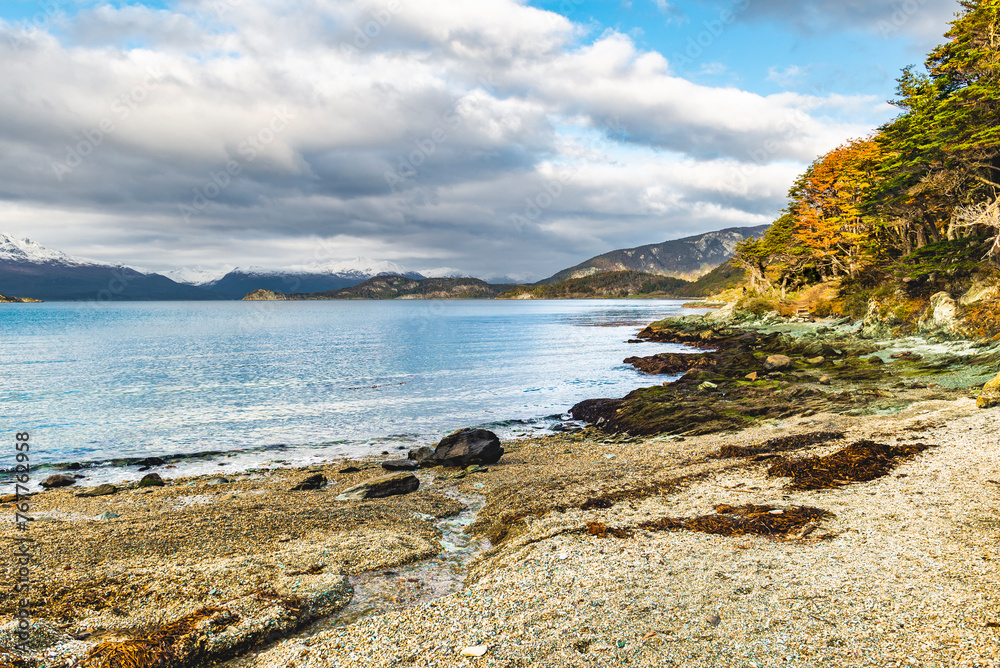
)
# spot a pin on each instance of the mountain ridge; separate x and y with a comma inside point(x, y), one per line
point(688, 258)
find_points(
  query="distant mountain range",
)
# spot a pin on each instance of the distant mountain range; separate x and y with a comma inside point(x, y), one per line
point(304, 278)
point(29, 270)
point(688, 258)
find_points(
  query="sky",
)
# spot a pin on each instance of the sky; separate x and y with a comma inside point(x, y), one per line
point(497, 137)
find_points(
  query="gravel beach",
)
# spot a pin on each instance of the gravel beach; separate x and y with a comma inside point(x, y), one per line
point(903, 573)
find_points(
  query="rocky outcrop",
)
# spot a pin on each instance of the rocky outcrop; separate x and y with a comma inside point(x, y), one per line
point(265, 295)
point(990, 395)
point(941, 317)
point(464, 447)
point(393, 484)
point(4, 299)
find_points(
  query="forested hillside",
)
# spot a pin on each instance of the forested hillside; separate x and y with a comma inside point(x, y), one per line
point(892, 220)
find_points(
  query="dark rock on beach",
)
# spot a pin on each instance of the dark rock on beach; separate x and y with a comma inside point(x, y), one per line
point(57, 480)
point(400, 465)
point(393, 484)
point(315, 481)
point(151, 480)
point(462, 448)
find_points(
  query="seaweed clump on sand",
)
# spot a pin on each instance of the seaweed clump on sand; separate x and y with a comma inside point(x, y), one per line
point(169, 645)
point(781, 444)
point(744, 520)
point(859, 462)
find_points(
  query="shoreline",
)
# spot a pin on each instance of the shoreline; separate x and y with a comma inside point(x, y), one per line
point(553, 586)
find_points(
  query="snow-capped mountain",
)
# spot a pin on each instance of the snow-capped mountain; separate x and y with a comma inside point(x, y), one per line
point(28, 269)
point(13, 249)
point(195, 275)
point(315, 277)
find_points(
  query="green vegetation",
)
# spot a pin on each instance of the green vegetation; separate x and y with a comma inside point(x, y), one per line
point(911, 210)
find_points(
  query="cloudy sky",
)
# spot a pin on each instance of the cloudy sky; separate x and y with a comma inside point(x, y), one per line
point(494, 136)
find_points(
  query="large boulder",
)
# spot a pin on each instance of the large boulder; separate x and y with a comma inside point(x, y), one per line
point(464, 447)
point(990, 396)
point(393, 484)
point(941, 317)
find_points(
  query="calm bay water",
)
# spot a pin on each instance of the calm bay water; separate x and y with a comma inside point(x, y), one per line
point(302, 381)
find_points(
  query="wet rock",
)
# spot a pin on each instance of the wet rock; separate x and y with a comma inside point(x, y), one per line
point(464, 447)
point(75, 466)
point(777, 363)
point(100, 490)
point(57, 480)
point(315, 481)
point(990, 394)
point(875, 360)
point(393, 484)
point(151, 480)
point(151, 461)
point(400, 465)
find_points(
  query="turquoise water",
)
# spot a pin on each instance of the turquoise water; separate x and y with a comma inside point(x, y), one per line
point(302, 381)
